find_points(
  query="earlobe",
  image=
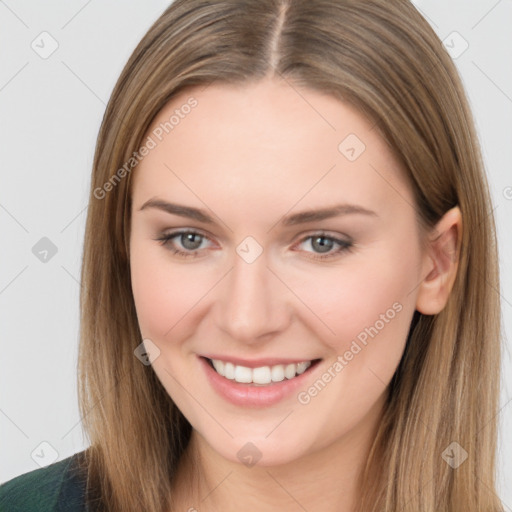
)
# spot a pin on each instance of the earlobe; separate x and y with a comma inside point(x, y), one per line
point(440, 263)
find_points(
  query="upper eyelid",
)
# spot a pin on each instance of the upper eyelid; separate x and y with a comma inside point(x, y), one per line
point(336, 239)
point(184, 231)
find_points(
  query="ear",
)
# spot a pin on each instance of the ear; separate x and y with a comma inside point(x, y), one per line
point(440, 263)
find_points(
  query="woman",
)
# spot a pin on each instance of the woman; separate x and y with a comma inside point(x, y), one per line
point(281, 306)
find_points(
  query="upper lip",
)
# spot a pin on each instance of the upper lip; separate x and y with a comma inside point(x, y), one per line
point(257, 363)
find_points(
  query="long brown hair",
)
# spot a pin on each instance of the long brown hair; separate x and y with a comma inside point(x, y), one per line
point(385, 59)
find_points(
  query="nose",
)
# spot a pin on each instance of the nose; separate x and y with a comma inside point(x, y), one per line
point(253, 303)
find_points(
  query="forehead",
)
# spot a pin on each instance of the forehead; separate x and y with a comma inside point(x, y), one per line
point(269, 141)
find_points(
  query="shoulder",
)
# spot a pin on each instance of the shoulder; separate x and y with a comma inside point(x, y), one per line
point(59, 487)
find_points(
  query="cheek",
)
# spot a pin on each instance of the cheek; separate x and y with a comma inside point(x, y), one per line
point(365, 301)
point(369, 306)
point(164, 293)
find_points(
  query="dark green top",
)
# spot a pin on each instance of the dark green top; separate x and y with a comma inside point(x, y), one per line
point(57, 487)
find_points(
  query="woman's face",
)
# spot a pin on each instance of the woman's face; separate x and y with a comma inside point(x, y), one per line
point(258, 284)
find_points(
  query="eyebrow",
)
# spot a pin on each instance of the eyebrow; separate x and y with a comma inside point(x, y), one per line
point(289, 220)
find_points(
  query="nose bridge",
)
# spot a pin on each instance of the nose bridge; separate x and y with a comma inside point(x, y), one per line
point(251, 304)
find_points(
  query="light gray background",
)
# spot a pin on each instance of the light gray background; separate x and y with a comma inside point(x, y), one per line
point(51, 109)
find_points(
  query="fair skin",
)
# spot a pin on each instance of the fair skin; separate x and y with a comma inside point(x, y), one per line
point(249, 156)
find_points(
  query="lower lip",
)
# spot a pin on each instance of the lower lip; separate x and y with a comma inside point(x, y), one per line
point(249, 395)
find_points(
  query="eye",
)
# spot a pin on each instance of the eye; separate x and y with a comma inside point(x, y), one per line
point(325, 246)
point(189, 240)
point(188, 243)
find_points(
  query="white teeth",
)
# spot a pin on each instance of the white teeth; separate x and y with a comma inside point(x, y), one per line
point(289, 371)
point(219, 366)
point(302, 367)
point(243, 374)
point(229, 371)
point(261, 375)
point(277, 373)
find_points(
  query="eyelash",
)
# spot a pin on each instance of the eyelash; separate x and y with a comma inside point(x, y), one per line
point(345, 246)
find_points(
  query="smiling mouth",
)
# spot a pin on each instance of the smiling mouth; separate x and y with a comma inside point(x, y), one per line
point(260, 376)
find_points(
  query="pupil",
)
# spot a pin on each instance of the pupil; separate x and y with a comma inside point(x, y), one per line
point(324, 247)
point(189, 238)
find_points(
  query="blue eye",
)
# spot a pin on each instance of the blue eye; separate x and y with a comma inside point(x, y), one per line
point(190, 240)
point(324, 244)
